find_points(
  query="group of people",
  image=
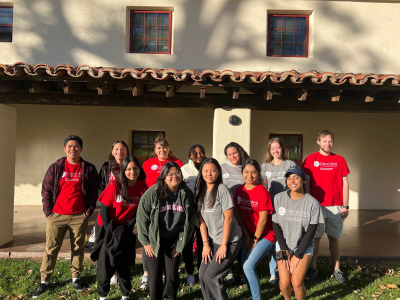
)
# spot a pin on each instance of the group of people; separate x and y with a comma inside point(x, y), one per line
point(235, 211)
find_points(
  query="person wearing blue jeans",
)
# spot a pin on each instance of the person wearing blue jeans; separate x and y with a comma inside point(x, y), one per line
point(253, 204)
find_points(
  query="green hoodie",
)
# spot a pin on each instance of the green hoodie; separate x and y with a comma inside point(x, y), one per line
point(147, 218)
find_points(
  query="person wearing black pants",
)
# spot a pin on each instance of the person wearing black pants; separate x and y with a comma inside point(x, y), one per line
point(165, 222)
point(187, 252)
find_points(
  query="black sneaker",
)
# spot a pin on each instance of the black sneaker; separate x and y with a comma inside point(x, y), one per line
point(339, 276)
point(312, 274)
point(42, 287)
point(77, 285)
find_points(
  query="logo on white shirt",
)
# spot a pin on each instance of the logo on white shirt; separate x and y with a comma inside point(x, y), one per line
point(239, 199)
point(282, 211)
point(268, 174)
point(225, 175)
point(316, 164)
point(154, 167)
point(118, 198)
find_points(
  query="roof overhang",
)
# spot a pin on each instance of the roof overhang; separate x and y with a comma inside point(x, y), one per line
point(289, 90)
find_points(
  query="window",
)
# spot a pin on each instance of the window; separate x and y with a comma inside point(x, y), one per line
point(288, 35)
point(151, 32)
point(143, 143)
point(6, 24)
point(293, 145)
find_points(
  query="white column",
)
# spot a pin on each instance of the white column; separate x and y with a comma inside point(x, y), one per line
point(8, 132)
point(224, 132)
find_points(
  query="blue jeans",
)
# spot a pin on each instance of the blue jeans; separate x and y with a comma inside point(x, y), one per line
point(250, 263)
point(273, 267)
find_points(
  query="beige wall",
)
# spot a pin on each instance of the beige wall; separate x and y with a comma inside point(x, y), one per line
point(42, 129)
point(345, 36)
point(8, 119)
point(369, 142)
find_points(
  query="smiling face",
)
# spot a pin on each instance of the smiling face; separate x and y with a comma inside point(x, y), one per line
point(198, 157)
point(295, 183)
point(325, 144)
point(233, 156)
point(210, 173)
point(132, 171)
point(250, 174)
point(161, 151)
point(173, 178)
point(276, 150)
point(119, 151)
point(73, 150)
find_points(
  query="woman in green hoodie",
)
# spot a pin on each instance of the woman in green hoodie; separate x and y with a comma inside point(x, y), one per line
point(165, 222)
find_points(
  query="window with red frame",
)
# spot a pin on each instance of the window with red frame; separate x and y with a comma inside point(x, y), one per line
point(6, 24)
point(143, 143)
point(293, 144)
point(288, 35)
point(151, 32)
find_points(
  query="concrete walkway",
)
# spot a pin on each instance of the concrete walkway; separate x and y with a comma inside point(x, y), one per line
point(367, 234)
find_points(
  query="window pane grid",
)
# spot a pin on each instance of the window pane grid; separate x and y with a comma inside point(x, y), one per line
point(6, 24)
point(293, 146)
point(288, 35)
point(151, 32)
point(142, 143)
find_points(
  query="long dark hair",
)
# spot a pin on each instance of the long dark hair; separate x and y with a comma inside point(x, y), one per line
point(192, 150)
point(162, 189)
point(111, 159)
point(255, 164)
point(201, 186)
point(243, 154)
point(123, 181)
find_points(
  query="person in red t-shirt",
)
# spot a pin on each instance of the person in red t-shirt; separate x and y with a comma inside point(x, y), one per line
point(152, 167)
point(253, 204)
point(328, 183)
point(119, 202)
point(69, 192)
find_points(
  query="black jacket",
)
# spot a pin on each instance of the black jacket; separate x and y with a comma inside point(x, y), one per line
point(115, 245)
point(104, 177)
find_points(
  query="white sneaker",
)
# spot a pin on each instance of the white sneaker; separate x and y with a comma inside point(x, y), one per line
point(114, 280)
point(143, 282)
point(273, 279)
point(190, 280)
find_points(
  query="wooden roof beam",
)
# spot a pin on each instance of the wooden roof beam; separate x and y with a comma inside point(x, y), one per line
point(105, 88)
point(268, 93)
point(203, 92)
point(138, 90)
point(39, 87)
point(335, 95)
point(233, 92)
point(70, 88)
point(370, 96)
point(301, 95)
point(9, 86)
point(171, 90)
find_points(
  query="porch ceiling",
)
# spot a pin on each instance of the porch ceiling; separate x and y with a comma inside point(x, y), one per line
point(289, 90)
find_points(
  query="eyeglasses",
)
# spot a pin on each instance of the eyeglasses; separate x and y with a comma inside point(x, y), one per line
point(177, 174)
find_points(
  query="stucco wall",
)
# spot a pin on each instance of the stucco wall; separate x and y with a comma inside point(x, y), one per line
point(8, 120)
point(42, 129)
point(369, 142)
point(348, 36)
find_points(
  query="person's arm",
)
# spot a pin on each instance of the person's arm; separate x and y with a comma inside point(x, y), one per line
point(306, 240)
point(264, 182)
point(47, 191)
point(105, 217)
point(308, 179)
point(101, 178)
point(262, 221)
point(143, 221)
point(207, 253)
point(228, 218)
point(279, 236)
point(345, 211)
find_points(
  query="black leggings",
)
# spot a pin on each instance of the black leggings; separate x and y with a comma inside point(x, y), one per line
point(156, 266)
point(187, 252)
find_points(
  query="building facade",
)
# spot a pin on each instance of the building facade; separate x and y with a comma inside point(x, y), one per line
point(107, 71)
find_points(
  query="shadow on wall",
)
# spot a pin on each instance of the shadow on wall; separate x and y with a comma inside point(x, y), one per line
point(214, 31)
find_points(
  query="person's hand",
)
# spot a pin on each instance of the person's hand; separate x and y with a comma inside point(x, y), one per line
point(174, 253)
point(207, 253)
point(248, 245)
point(344, 212)
point(286, 262)
point(149, 251)
point(294, 262)
point(221, 254)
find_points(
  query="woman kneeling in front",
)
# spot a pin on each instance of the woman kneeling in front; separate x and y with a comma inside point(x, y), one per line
point(165, 222)
point(297, 215)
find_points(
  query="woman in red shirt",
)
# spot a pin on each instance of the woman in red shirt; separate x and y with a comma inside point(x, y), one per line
point(119, 203)
point(253, 204)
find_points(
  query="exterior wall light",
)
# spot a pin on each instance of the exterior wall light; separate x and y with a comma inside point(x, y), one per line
point(235, 120)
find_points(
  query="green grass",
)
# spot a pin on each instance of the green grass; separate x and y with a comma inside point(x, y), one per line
point(367, 280)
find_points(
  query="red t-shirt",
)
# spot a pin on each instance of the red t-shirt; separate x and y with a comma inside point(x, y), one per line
point(249, 203)
point(70, 198)
point(119, 210)
point(326, 174)
point(152, 167)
